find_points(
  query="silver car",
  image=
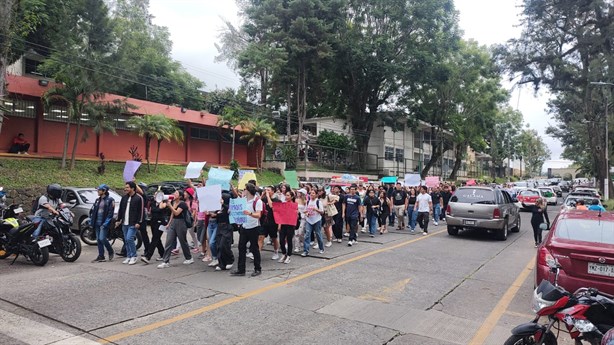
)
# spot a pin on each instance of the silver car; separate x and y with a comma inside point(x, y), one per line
point(81, 200)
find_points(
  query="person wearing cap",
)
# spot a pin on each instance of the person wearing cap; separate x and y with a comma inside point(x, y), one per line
point(101, 215)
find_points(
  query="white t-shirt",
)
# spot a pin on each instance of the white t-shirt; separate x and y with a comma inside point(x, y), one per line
point(312, 215)
point(251, 221)
point(423, 200)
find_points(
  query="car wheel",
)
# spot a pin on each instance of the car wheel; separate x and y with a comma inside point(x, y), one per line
point(517, 227)
point(452, 230)
point(502, 233)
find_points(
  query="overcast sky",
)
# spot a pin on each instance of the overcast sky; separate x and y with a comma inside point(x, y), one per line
point(195, 25)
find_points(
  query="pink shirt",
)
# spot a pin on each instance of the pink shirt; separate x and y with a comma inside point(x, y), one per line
point(199, 215)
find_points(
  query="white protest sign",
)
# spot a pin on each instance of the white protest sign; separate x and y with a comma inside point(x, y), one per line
point(412, 180)
point(209, 198)
point(194, 169)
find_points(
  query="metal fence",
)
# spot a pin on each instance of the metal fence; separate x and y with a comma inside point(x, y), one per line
point(322, 158)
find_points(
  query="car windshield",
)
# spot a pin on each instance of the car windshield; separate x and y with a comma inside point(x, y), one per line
point(474, 195)
point(526, 193)
point(586, 230)
point(574, 201)
point(88, 196)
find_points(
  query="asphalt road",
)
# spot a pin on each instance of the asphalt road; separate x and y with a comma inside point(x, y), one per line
point(395, 288)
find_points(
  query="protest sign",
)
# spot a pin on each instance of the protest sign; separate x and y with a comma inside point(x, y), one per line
point(194, 169)
point(243, 172)
point(209, 198)
point(412, 180)
point(130, 169)
point(389, 179)
point(243, 181)
point(432, 181)
point(220, 177)
point(291, 179)
point(236, 208)
point(285, 213)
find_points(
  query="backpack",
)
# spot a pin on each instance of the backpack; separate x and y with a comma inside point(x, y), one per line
point(264, 214)
point(189, 220)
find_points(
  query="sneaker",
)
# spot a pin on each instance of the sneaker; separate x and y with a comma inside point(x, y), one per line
point(328, 244)
point(250, 255)
point(424, 233)
point(188, 262)
point(322, 251)
point(296, 250)
point(436, 224)
point(201, 255)
point(350, 243)
point(287, 261)
point(275, 256)
point(363, 231)
point(218, 268)
point(159, 258)
point(346, 235)
point(315, 246)
point(144, 259)
point(237, 274)
point(164, 265)
point(372, 236)
point(132, 261)
point(412, 231)
point(339, 240)
point(207, 258)
point(268, 241)
point(213, 263)
point(283, 259)
point(99, 259)
point(304, 254)
point(175, 252)
point(536, 245)
point(111, 255)
point(256, 273)
point(195, 250)
point(126, 261)
point(229, 266)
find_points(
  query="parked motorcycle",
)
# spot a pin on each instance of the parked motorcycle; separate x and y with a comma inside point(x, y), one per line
point(585, 315)
point(63, 241)
point(88, 234)
point(16, 238)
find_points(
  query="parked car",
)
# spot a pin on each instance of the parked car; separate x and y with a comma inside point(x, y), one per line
point(581, 242)
point(81, 200)
point(167, 187)
point(565, 186)
point(482, 208)
point(593, 191)
point(558, 191)
point(528, 197)
point(571, 201)
point(549, 195)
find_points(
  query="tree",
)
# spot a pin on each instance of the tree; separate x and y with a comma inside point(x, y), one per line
point(503, 138)
point(169, 131)
point(258, 133)
point(334, 140)
point(533, 150)
point(148, 127)
point(566, 45)
point(231, 118)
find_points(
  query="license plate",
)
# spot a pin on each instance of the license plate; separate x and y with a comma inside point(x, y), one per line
point(18, 210)
point(599, 269)
point(44, 243)
point(469, 222)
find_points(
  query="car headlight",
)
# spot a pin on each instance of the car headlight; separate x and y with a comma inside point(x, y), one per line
point(538, 303)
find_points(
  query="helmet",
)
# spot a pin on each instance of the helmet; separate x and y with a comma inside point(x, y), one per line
point(54, 190)
point(103, 187)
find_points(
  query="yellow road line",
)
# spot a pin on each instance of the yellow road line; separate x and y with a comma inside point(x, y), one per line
point(491, 321)
point(231, 300)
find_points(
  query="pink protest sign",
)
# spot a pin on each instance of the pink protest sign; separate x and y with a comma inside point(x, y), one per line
point(285, 213)
point(432, 181)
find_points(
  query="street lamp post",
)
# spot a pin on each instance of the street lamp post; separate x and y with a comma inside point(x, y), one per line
point(606, 185)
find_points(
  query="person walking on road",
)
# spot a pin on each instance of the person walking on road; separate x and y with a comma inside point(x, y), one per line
point(373, 207)
point(249, 232)
point(160, 214)
point(385, 212)
point(286, 234)
point(424, 207)
point(130, 217)
point(314, 212)
point(351, 213)
point(399, 200)
point(412, 216)
point(101, 216)
point(437, 205)
point(539, 216)
point(338, 218)
point(177, 230)
point(223, 238)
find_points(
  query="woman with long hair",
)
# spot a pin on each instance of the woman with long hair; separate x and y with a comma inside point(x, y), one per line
point(539, 220)
point(177, 230)
point(385, 203)
point(286, 234)
point(301, 200)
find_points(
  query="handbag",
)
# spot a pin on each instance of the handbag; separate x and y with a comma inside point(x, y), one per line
point(189, 220)
point(543, 226)
point(331, 210)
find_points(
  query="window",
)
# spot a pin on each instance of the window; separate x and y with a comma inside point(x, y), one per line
point(21, 108)
point(389, 153)
point(474, 196)
point(121, 122)
point(204, 133)
point(418, 140)
point(399, 155)
point(57, 113)
point(32, 67)
point(586, 230)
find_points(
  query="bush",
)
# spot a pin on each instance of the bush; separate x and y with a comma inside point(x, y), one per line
point(334, 140)
point(234, 166)
point(288, 154)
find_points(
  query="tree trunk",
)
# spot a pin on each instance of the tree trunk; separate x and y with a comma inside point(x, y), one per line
point(75, 143)
point(301, 109)
point(289, 114)
point(147, 146)
point(232, 146)
point(157, 155)
point(459, 154)
point(66, 138)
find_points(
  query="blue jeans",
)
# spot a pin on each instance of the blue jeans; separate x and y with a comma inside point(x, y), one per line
point(317, 229)
point(41, 221)
point(372, 224)
point(211, 233)
point(102, 240)
point(436, 212)
point(412, 217)
point(129, 237)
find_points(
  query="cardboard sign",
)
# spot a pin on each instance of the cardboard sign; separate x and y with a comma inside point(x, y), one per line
point(220, 177)
point(412, 180)
point(471, 183)
point(194, 169)
point(246, 178)
point(209, 198)
point(285, 213)
point(389, 179)
point(432, 181)
point(291, 179)
point(236, 208)
point(130, 169)
point(243, 172)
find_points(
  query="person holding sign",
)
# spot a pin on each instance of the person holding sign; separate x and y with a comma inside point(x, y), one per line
point(249, 232)
point(286, 234)
point(314, 212)
point(177, 229)
point(160, 214)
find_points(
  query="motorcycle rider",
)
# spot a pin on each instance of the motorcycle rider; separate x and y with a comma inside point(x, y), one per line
point(101, 215)
point(47, 205)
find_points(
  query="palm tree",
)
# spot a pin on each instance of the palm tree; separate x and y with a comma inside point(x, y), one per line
point(68, 98)
point(258, 132)
point(148, 127)
point(102, 116)
point(232, 117)
point(170, 132)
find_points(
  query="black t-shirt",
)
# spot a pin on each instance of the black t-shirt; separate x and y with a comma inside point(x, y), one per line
point(160, 215)
point(369, 203)
point(412, 199)
point(222, 215)
point(446, 197)
point(398, 197)
point(182, 205)
point(436, 196)
point(269, 220)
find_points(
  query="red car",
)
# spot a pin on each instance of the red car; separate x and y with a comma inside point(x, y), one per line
point(583, 244)
point(528, 197)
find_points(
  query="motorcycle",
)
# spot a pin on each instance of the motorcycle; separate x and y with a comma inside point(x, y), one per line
point(16, 238)
point(63, 241)
point(88, 234)
point(586, 314)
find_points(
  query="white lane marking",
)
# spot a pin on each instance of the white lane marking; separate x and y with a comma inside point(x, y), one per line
point(36, 333)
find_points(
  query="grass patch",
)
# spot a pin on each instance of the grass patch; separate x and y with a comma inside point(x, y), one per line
point(609, 204)
point(32, 172)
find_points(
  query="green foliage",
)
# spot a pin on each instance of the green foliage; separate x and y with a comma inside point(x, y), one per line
point(288, 155)
point(235, 166)
point(502, 139)
point(338, 141)
point(533, 151)
point(258, 133)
